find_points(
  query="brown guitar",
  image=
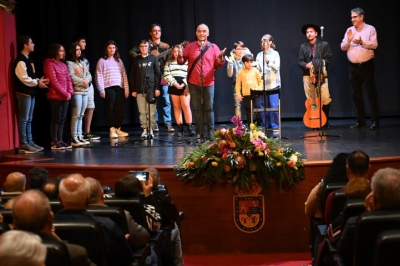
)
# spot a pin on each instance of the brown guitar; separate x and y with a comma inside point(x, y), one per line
point(159, 55)
point(312, 116)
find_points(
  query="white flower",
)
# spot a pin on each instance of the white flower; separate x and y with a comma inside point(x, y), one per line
point(293, 158)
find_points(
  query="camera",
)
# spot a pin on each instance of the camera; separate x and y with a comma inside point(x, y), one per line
point(140, 175)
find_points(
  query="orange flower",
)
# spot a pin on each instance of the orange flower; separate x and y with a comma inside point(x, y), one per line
point(232, 145)
point(191, 164)
point(290, 163)
point(224, 155)
point(227, 168)
point(214, 164)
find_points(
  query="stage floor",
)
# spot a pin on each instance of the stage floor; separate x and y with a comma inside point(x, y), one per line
point(168, 150)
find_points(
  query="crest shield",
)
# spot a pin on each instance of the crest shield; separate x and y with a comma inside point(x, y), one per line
point(249, 212)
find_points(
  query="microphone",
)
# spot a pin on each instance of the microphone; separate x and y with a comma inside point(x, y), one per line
point(201, 45)
point(322, 31)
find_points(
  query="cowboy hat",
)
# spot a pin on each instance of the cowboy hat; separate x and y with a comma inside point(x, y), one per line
point(306, 26)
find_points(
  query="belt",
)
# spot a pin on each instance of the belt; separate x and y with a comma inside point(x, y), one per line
point(362, 63)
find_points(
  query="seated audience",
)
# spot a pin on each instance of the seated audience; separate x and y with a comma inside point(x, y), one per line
point(315, 203)
point(357, 166)
point(385, 195)
point(37, 177)
point(138, 235)
point(74, 196)
point(50, 188)
point(130, 187)
point(15, 182)
point(31, 212)
point(170, 214)
point(21, 248)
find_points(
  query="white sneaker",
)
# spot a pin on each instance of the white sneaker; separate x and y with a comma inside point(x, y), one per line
point(121, 133)
point(83, 141)
point(113, 134)
point(76, 142)
point(151, 135)
point(144, 134)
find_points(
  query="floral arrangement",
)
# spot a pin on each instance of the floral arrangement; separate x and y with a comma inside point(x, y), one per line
point(243, 157)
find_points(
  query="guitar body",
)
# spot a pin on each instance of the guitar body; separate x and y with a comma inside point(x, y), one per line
point(312, 117)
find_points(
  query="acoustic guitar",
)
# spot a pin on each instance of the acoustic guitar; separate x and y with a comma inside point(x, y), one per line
point(312, 117)
point(159, 55)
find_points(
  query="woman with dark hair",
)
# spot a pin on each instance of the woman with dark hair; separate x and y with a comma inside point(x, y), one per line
point(59, 93)
point(175, 76)
point(81, 80)
point(112, 83)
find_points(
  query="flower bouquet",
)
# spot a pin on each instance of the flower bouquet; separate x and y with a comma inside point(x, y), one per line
point(243, 157)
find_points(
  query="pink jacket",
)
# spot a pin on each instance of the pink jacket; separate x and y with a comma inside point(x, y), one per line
point(60, 81)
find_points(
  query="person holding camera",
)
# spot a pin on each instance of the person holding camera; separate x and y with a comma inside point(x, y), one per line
point(145, 79)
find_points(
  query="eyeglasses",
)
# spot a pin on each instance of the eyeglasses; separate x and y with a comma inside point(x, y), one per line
point(354, 17)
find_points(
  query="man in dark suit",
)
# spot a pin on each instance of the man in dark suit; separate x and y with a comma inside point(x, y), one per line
point(31, 212)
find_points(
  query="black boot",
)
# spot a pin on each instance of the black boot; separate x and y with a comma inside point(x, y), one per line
point(191, 132)
point(325, 109)
point(179, 133)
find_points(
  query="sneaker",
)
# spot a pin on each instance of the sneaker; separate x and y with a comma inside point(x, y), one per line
point(151, 135)
point(57, 146)
point(144, 134)
point(91, 136)
point(155, 128)
point(34, 145)
point(121, 133)
point(169, 128)
point(67, 146)
point(27, 149)
point(76, 142)
point(113, 133)
point(83, 141)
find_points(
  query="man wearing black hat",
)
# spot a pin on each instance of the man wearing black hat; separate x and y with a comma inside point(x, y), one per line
point(312, 62)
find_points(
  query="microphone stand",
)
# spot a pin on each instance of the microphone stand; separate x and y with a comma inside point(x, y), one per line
point(321, 134)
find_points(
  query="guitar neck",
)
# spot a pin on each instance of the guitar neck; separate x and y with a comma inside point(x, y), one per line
point(163, 53)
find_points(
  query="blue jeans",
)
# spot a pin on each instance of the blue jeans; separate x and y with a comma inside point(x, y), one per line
point(58, 113)
point(270, 119)
point(166, 105)
point(203, 105)
point(79, 103)
point(26, 104)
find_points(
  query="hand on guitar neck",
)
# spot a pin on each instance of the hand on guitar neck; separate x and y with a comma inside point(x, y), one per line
point(313, 112)
point(164, 53)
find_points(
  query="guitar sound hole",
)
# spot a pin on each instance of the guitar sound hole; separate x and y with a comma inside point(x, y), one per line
point(313, 106)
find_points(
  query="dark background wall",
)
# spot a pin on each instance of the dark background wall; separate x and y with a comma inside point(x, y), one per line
point(128, 21)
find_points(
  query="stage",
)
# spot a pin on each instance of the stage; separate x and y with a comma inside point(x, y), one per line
point(209, 226)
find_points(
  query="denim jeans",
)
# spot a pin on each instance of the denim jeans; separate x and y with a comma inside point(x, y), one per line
point(203, 104)
point(270, 119)
point(58, 113)
point(26, 104)
point(115, 106)
point(166, 105)
point(79, 103)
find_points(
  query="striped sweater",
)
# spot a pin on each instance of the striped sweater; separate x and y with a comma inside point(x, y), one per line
point(173, 69)
point(111, 73)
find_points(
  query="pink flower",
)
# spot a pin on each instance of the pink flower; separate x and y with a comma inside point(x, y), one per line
point(258, 143)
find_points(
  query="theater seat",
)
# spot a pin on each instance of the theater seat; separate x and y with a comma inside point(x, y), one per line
point(387, 248)
point(57, 253)
point(87, 234)
point(7, 215)
point(55, 206)
point(369, 226)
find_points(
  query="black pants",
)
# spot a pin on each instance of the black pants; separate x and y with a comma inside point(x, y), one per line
point(58, 114)
point(363, 74)
point(115, 106)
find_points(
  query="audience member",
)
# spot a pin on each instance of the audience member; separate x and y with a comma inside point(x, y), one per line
point(50, 188)
point(37, 177)
point(31, 212)
point(385, 195)
point(170, 213)
point(15, 182)
point(138, 235)
point(74, 196)
point(315, 204)
point(21, 248)
point(357, 166)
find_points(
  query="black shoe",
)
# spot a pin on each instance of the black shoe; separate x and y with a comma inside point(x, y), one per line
point(374, 126)
point(358, 126)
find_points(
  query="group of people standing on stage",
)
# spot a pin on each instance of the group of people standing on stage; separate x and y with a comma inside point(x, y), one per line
point(185, 74)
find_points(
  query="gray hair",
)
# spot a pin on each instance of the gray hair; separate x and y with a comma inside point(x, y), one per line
point(385, 185)
point(358, 10)
point(21, 248)
point(74, 197)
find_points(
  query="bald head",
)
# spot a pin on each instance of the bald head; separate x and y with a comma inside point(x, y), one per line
point(74, 192)
point(31, 212)
point(96, 192)
point(15, 182)
point(202, 32)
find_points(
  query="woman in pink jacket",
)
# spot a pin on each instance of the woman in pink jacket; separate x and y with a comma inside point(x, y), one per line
point(59, 93)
